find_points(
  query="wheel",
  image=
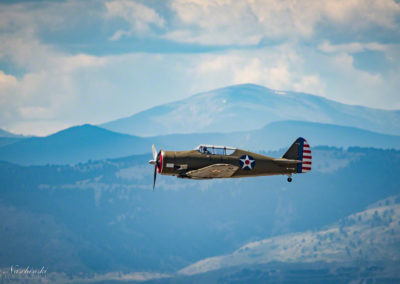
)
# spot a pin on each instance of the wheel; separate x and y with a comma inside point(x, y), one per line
point(289, 179)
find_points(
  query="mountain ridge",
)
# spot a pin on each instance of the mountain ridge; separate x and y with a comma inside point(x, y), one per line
point(362, 235)
point(87, 142)
point(72, 145)
point(8, 134)
point(248, 107)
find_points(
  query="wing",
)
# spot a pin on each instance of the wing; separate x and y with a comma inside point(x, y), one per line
point(214, 171)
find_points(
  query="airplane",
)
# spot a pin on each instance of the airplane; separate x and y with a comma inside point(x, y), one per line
point(209, 161)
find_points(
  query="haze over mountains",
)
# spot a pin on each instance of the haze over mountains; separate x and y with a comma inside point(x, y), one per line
point(88, 142)
point(73, 145)
point(248, 107)
point(245, 116)
point(98, 216)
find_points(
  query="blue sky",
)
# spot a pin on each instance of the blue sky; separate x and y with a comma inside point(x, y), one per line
point(64, 63)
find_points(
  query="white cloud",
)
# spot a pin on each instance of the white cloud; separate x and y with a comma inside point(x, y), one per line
point(280, 67)
point(358, 86)
point(247, 22)
point(139, 17)
point(47, 91)
point(21, 25)
point(299, 68)
point(310, 84)
point(360, 14)
point(7, 81)
point(351, 47)
point(361, 87)
point(24, 51)
point(76, 89)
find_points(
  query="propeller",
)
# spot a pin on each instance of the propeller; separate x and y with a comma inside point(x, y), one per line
point(155, 177)
point(156, 163)
point(154, 152)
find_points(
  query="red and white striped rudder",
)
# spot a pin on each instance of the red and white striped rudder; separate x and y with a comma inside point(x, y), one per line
point(306, 157)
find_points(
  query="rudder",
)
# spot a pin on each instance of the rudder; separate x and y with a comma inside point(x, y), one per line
point(300, 150)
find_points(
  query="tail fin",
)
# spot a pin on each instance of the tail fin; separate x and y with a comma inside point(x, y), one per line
point(300, 150)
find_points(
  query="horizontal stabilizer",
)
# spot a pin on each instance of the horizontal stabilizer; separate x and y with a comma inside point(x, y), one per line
point(287, 161)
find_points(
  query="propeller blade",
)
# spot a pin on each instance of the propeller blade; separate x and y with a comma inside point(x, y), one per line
point(156, 163)
point(155, 176)
point(154, 152)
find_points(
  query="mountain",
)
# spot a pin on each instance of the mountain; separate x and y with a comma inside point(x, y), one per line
point(249, 107)
point(4, 133)
point(364, 245)
point(369, 235)
point(73, 145)
point(279, 135)
point(316, 134)
point(102, 218)
point(87, 142)
point(8, 140)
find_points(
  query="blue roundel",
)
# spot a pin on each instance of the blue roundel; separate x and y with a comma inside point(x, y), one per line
point(247, 162)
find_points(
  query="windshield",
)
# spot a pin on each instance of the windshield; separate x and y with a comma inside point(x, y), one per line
point(215, 150)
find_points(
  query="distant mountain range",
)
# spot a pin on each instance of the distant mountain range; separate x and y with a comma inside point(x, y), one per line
point(88, 142)
point(94, 218)
point(249, 107)
point(73, 145)
point(279, 135)
point(244, 116)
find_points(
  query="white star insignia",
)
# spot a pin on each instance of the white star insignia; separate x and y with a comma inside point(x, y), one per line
point(247, 163)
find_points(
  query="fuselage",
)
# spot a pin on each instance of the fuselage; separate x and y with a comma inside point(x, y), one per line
point(178, 163)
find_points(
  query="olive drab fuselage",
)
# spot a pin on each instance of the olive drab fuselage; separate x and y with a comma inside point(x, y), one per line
point(177, 163)
point(209, 161)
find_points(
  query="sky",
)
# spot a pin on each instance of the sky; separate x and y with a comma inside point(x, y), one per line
point(64, 63)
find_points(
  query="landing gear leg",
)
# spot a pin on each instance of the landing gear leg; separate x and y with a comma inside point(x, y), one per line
point(289, 179)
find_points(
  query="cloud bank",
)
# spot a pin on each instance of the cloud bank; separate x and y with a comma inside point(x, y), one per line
point(72, 62)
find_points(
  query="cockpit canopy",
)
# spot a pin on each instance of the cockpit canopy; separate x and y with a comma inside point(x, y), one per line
point(215, 150)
